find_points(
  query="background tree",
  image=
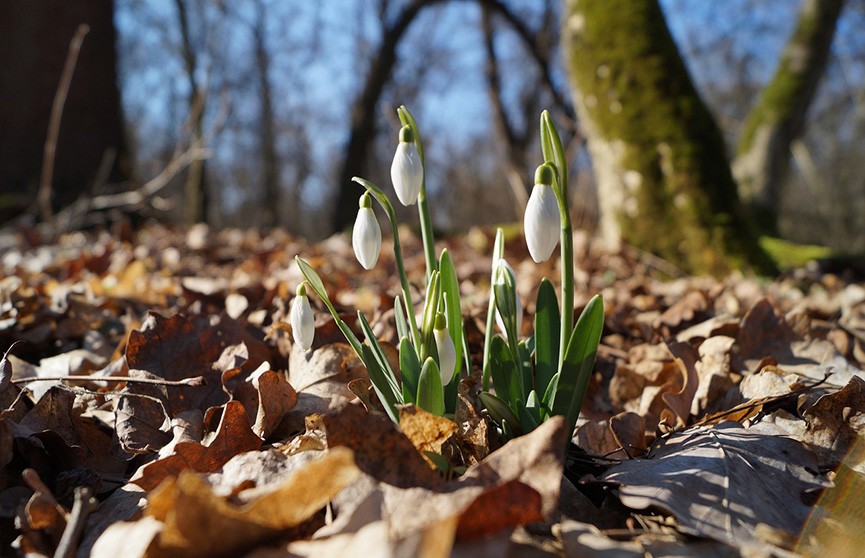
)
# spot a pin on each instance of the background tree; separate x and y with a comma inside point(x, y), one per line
point(36, 37)
point(664, 181)
point(778, 118)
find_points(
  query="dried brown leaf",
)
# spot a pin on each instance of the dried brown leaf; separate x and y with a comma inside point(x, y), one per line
point(426, 431)
point(233, 436)
point(722, 482)
point(199, 523)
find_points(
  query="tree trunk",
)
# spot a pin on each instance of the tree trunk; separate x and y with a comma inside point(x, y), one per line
point(778, 118)
point(664, 182)
point(363, 116)
point(196, 196)
point(33, 50)
point(267, 139)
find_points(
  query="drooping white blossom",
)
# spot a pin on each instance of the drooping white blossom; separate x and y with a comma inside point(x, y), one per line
point(366, 235)
point(301, 319)
point(406, 171)
point(446, 350)
point(542, 222)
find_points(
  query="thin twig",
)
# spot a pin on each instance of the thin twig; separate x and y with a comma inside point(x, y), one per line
point(82, 506)
point(194, 381)
point(50, 148)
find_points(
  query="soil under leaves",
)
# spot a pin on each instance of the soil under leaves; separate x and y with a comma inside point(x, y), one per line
point(724, 417)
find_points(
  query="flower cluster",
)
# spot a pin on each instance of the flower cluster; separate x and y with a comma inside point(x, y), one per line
point(525, 381)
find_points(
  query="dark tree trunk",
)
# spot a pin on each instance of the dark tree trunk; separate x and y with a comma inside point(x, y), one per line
point(196, 195)
point(267, 138)
point(33, 49)
point(363, 115)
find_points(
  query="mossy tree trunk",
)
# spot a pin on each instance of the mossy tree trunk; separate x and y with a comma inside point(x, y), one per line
point(664, 181)
point(777, 119)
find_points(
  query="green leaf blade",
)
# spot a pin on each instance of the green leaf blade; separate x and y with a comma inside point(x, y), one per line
point(430, 395)
point(579, 361)
point(547, 333)
point(410, 367)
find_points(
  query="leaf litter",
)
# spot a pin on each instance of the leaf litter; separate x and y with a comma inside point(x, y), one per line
point(718, 413)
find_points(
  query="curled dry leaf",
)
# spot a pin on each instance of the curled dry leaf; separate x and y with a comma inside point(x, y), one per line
point(426, 431)
point(679, 404)
point(233, 436)
point(166, 348)
point(836, 422)
point(722, 482)
point(199, 523)
point(380, 449)
point(321, 380)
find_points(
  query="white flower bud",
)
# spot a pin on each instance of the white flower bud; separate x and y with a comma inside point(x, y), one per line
point(406, 171)
point(542, 219)
point(446, 350)
point(301, 319)
point(504, 276)
point(366, 235)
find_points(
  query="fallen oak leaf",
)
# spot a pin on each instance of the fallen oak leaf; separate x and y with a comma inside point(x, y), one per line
point(679, 404)
point(199, 523)
point(428, 432)
point(233, 436)
point(836, 422)
point(722, 482)
point(380, 449)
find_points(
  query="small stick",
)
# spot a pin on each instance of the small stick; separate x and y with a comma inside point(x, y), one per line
point(195, 381)
point(44, 195)
point(82, 506)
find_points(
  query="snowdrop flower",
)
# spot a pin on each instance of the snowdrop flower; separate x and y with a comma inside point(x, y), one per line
point(446, 349)
point(301, 319)
point(366, 236)
point(507, 300)
point(406, 171)
point(542, 219)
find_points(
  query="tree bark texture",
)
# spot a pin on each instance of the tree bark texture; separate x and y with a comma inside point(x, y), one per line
point(778, 118)
point(33, 49)
point(664, 182)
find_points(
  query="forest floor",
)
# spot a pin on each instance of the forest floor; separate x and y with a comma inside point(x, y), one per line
point(724, 417)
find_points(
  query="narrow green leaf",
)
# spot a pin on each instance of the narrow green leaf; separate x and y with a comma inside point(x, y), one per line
point(506, 376)
point(430, 396)
point(312, 277)
point(402, 329)
point(551, 145)
point(380, 357)
point(431, 305)
point(498, 252)
point(546, 336)
point(579, 361)
point(499, 411)
point(380, 383)
point(525, 366)
point(549, 397)
point(410, 368)
point(451, 293)
point(529, 416)
point(441, 463)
